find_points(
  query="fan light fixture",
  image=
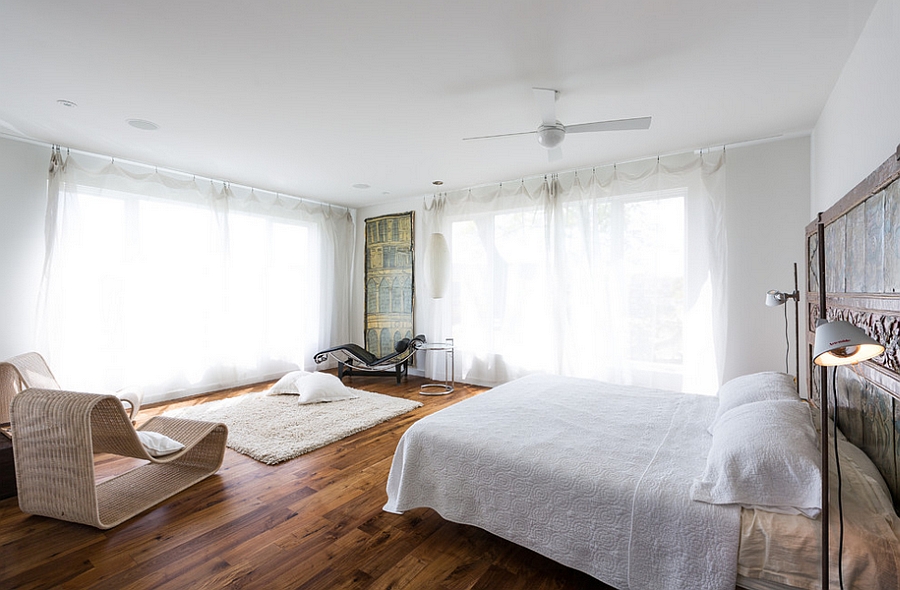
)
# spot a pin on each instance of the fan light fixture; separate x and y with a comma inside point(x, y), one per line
point(551, 132)
point(842, 343)
point(551, 136)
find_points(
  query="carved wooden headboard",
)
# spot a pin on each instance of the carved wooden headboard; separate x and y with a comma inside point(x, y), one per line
point(862, 286)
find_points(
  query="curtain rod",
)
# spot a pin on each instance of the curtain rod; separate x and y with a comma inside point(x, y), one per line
point(699, 151)
point(164, 169)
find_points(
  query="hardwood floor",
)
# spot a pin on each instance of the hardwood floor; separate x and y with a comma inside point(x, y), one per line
point(314, 522)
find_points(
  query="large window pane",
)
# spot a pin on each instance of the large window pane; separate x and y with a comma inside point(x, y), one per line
point(600, 295)
point(167, 295)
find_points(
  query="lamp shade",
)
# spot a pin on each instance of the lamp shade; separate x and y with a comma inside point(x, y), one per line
point(774, 298)
point(842, 343)
point(438, 265)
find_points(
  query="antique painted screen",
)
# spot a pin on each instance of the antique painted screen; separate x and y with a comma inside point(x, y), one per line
point(390, 288)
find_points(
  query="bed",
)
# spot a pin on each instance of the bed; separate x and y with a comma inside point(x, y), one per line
point(602, 478)
point(630, 485)
point(553, 464)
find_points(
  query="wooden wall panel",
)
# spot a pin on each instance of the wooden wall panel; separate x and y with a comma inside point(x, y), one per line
point(812, 267)
point(813, 389)
point(878, 440)
point(895, 485)
point(855, 250)
point(873, 237)
point(866, 414)
point(892, 239)
point(862, 286)
point(848, 404)
point(835, 253)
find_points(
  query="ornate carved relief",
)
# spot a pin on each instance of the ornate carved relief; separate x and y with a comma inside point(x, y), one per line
point(883, 327)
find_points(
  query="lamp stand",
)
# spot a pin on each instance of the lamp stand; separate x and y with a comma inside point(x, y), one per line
point(796, 327)
point(823, 409)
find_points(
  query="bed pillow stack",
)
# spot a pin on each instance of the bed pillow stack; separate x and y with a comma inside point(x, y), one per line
point(764, 451)
point(756, 387)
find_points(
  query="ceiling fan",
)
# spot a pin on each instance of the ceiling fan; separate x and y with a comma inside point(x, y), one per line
point(551, 132)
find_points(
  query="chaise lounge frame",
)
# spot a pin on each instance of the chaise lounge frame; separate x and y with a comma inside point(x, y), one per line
point(352, 356)
point(56, 434)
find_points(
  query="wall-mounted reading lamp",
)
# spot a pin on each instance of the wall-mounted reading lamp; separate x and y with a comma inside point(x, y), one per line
point(842, 343)
point(776, 298)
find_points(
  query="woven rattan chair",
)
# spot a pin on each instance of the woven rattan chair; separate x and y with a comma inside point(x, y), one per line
point(31, 370)
point(55, 436)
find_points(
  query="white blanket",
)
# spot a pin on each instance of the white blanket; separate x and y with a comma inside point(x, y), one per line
point(592, 475)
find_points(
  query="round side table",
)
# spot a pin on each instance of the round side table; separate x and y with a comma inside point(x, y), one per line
point(446, 386)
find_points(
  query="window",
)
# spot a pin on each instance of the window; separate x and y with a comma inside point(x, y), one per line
point(187, 291)
point(601, 294)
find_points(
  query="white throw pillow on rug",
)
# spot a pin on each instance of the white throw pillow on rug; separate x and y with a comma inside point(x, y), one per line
point(158, 445)
point(312, 388)
point(287, 385)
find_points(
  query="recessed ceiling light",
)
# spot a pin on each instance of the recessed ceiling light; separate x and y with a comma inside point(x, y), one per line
point(361, 185)
point(142, 124)
point(438, 182)
point(66, 103)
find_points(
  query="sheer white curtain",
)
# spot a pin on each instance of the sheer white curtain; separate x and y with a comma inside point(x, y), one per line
point(615, 273)
point(179, 285)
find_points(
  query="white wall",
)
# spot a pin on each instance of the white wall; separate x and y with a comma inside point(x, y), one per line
point(23, 202)
point(766, 214)
point(859, 128)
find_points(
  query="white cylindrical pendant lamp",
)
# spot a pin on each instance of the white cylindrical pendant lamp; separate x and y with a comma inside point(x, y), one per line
point(438, 265)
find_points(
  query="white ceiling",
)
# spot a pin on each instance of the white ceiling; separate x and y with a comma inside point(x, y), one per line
point(309, 98)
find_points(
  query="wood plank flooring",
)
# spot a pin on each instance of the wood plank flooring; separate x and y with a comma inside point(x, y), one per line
point(314, 522)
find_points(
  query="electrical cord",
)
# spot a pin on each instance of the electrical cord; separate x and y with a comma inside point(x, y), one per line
point(787, 341)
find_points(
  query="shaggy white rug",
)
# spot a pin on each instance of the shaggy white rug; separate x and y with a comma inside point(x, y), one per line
point(274, 428)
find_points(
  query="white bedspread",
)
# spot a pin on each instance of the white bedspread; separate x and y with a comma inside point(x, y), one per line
point(592, 475)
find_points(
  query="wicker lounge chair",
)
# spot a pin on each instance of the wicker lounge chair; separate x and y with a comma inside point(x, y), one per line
point(353, 356)
point(55, 436)
point(31, 370)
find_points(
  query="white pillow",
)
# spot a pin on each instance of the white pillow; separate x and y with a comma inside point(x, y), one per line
point(158, 445)
point(764, 455)
point(287, 384)
point(755, 387)
point(312, 387)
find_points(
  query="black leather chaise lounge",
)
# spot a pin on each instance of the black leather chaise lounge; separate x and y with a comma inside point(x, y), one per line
point(352, 356)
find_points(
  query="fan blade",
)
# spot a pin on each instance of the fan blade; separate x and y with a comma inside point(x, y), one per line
point(554, 154)
point(616, 125)
point(546, 103)
point(501, 135)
